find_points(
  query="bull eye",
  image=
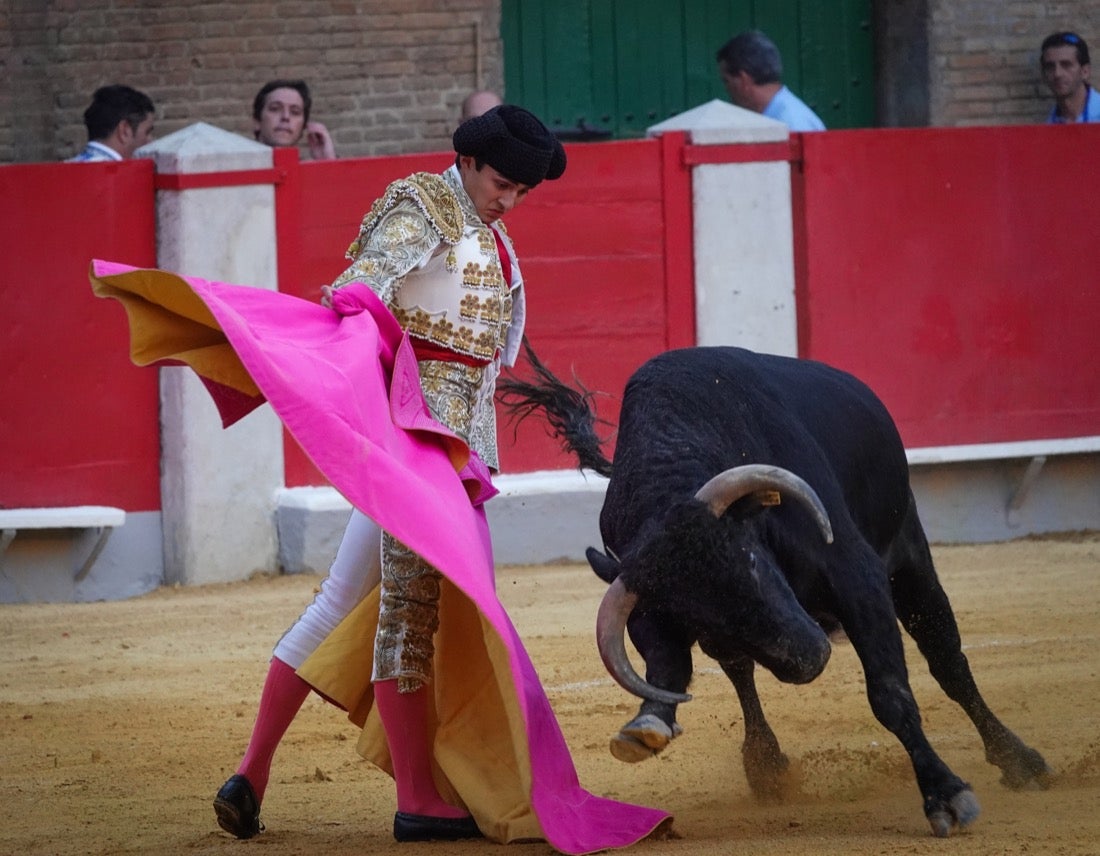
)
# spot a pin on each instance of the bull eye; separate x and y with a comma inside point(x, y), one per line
point(752, 563)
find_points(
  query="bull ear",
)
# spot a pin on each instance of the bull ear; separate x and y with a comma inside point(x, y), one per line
point(606, 568)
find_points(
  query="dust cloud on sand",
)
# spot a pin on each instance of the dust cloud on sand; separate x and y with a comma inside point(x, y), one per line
point(118, 722)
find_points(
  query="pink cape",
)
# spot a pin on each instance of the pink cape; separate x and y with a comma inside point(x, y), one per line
point(345, 384)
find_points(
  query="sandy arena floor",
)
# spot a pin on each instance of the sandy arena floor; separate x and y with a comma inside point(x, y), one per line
point(118, 722)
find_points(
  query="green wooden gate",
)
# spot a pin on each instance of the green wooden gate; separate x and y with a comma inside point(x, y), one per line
point(623, 65)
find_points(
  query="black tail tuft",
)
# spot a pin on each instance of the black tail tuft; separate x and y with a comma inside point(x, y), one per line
point(569, 411)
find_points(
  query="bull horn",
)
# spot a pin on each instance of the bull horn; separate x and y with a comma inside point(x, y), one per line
point(727, 487)
point(615, 609)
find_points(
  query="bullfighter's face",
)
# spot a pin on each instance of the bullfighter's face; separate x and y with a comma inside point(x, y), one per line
point(493, 194)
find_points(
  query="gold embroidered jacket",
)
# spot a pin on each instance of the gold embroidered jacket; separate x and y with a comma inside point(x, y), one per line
point(425, 252)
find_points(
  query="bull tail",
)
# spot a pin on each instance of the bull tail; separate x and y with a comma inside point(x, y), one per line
point(569, 410)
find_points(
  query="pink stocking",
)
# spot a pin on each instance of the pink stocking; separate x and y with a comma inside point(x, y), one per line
point(405, 720)
point(280, 702)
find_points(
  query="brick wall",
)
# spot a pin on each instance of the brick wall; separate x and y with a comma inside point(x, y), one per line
point(984, 57)
point(387, 76)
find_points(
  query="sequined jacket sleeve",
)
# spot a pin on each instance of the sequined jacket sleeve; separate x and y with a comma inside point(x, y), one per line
point(409, 224)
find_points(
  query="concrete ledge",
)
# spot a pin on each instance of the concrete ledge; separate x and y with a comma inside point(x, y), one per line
point(548, 517)
point(95, 520)
point(552, 517)
point(979, 501)
point(538, 518)
point(309, 523)
point(71, 517)
point(1001, 451)
point(38, 566)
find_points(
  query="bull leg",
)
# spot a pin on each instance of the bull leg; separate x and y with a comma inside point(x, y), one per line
point(868, 618)
point(926, 614)
point(765, 764)
point(667, 654)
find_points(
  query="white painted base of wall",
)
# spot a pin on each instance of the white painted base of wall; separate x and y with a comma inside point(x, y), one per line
point(310, 523)
point(38, 566)
point(537, 519)
point(546, 518)
point(997, 500)
point(552, 517)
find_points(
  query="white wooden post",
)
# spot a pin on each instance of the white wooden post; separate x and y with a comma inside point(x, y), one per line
point(744, 250)
point(218, 486)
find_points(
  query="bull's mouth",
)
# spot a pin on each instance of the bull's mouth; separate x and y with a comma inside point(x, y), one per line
point(799, 669)
point(792, 659)
point(798, 660)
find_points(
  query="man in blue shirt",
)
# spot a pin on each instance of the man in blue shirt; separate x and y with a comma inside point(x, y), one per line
point(1064, 62)
point(752, 71)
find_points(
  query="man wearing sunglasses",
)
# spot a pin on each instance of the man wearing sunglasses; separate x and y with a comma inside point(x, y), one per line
point(1064, 62)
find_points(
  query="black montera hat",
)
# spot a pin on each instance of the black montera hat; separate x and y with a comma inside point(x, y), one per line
point(514, 143)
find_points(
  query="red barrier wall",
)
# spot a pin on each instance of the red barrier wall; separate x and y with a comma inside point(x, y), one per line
point(953, 270)
point(78, 422)
point(606, 257)
point(949, 268)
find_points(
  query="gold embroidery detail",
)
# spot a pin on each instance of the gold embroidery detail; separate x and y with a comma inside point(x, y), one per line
point(470, 307)
point(450, 389)
point(431, 194)
point(442, 331)
point(464, 340)
point(486, 343)
point(404, 645)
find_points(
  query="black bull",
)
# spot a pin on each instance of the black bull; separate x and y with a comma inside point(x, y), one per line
point(757, 503)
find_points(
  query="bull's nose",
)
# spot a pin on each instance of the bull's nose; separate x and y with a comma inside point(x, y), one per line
point(803, 661)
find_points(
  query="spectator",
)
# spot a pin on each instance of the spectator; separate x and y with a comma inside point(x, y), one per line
point(1064, 62)
point(752, 71)
point(477, 102)
point(280, 117)
point(119, 121)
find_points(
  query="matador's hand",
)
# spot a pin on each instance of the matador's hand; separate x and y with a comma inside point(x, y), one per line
point(350, 299)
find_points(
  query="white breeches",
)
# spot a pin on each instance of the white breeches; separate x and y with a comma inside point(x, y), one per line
point(356, 569)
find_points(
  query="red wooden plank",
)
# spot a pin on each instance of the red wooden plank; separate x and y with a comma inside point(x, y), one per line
point(962, 291)
point(78, 421)
point(679, 247)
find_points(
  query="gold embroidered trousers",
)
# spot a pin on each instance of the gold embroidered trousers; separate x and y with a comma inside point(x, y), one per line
point(408, 613)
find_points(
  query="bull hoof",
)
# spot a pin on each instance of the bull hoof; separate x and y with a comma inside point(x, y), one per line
point(630, 750)
point(1021, 766)
point(643, 737)
point(961, 811)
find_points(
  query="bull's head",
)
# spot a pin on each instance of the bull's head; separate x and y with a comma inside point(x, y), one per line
point(747, 608)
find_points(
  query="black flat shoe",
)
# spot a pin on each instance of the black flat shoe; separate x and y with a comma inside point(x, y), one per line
point(422, 827)
point(238, 809)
